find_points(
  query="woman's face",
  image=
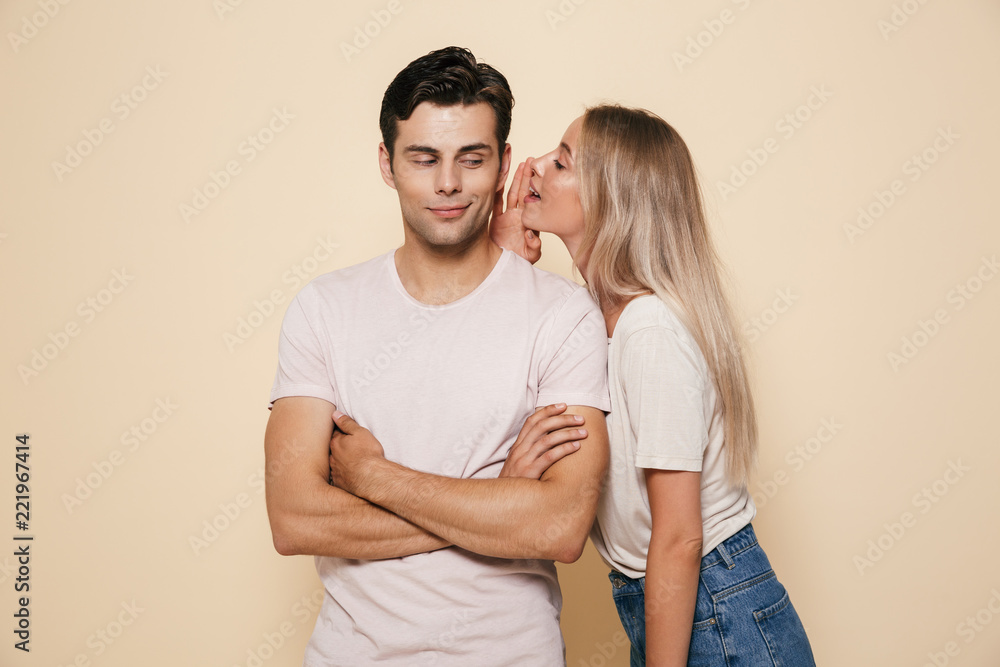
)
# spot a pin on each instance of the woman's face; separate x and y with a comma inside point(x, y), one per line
point(553, 201)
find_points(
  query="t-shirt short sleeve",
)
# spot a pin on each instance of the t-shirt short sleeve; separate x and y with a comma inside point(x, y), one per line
point(577, 349)
point(302, 364)
point(664, 384)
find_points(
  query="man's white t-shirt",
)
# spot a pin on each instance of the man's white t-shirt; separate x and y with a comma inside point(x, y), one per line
point(665, 415)
point(445, 389)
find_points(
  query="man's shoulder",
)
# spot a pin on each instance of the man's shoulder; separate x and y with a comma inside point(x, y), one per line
point(346, 279)
point(548, 288)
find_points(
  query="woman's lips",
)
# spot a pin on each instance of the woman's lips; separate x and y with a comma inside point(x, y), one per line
point(532, 195)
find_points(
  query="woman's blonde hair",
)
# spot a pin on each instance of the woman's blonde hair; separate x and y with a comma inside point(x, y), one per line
point(645, 231)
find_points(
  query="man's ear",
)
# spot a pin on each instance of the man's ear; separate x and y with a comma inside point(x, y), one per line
point(504, 168)
point(385, 166)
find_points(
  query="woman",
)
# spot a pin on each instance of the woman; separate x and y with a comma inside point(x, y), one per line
point(691, 583)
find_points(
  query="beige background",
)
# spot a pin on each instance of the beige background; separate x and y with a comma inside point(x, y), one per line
point(898, 427)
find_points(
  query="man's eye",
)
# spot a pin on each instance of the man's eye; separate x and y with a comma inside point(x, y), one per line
point(473, 162)
point(425, 163)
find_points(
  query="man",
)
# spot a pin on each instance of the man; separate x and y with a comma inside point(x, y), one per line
point(443, 348)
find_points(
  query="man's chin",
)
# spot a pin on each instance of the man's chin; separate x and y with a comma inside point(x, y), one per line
point(453, 236)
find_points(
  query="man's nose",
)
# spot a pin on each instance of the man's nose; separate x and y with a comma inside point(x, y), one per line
point(449, 179)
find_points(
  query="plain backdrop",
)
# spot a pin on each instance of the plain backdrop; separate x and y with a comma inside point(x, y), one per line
point(172, 172)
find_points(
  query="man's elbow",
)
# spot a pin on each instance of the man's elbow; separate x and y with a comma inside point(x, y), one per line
point(284, 545)
point(563, 538)
point(285, 537)
point(570, 550)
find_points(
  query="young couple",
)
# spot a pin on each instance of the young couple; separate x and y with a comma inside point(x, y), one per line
point(482, 385)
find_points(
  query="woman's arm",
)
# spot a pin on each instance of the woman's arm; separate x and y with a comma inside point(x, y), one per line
point(673, 564)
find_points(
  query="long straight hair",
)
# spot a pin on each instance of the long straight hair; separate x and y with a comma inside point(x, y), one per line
point(645, 231)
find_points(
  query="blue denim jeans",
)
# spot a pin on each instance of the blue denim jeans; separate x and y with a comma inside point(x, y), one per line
point(743, 615)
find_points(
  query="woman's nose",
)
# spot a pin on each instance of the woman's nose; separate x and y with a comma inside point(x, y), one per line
point(537, 165)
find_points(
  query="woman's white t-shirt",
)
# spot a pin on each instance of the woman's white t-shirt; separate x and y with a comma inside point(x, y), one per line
point(665, 414)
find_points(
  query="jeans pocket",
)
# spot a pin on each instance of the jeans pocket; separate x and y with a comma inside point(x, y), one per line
point(632, 612)
point(630, 601)
point(784, 635)
point(706, 649)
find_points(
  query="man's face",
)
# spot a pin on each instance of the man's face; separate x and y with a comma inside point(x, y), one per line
point(446, 170)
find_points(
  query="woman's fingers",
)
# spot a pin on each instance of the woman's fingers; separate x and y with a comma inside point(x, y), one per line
point(532, 245)
point(525, 181)
point(515, 187)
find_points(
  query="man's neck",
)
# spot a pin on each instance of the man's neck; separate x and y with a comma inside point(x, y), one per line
point(437, 276)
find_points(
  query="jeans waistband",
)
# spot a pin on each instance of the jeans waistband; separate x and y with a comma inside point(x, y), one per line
point(741, 540)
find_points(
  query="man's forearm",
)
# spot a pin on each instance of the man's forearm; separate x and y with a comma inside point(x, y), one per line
point(505, 518)
point(331, 522)
point(307, 515)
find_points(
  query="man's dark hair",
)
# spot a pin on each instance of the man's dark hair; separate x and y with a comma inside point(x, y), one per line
point(445, 77)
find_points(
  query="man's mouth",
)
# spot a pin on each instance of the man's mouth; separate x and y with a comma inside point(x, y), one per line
point(532, 194)
point(449, 211)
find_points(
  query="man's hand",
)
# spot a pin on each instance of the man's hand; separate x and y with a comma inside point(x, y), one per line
point(513, 517)
point(547, 436)
point(506, 228)
point(307, 515)
point(352, 450)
